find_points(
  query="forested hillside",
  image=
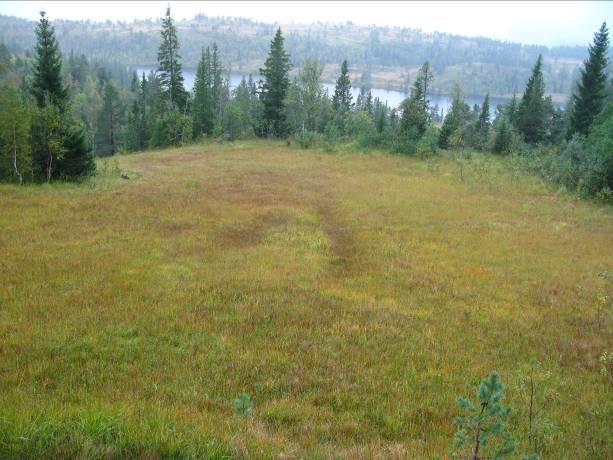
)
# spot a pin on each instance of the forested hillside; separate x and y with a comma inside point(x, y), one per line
point(382, 57)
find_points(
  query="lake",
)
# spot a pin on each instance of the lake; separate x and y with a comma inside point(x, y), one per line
point(393, 98)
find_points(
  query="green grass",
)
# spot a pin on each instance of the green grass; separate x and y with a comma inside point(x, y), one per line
point(352, 296)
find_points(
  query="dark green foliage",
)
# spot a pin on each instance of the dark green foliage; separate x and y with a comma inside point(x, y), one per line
point(275, 86)
point(531, 116)
point(503, 141)
point(482, 433)
point(511, 111)
point(202, 105)
point(77, 160)
point(136, 129)
point(584, 164)
point(342, 99)
point(484, 116)
point(171, 128)
point(219, 90)
point(232, 122)
point(109, 122)
point(47, 84)
point(428, 144)
point(368, 105)
point(591, 92)
point(415, 109)
point(455, 121)
point(380, 115)
point(169, 65)
point(600, 143)
point(361, 127)
point(482, 128)
point(60, 148)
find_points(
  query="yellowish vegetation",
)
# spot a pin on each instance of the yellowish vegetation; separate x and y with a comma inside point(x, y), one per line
point(352, 296)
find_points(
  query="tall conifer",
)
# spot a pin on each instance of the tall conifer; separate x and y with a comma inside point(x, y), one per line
point(531, 116)
point(591, 92)
point(169, 65)
point(218, 92)
point(202, 106)
point(415, 108)
point(342, 99)
point(275, 86)
point(48, 85)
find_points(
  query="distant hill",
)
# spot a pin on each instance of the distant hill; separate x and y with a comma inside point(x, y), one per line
point(385, 57)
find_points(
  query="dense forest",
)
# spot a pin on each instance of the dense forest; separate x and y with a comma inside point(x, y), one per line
point(57, 111)
point(382, 57)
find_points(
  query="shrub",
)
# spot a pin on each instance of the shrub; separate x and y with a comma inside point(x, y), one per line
point(231, 122)
point(428, 144)
point(361, 127)
point(308, 139)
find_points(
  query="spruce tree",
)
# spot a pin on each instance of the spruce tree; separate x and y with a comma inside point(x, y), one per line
point(484, 116)
point(134, 129)
point(275, 86)
point(504, 137)
point(218, 91)
point(109, 118)
point(47, 84)
point(531, 116)
point(426, 76)
point(483, 124)
point(454, 120)
point(77, 161)
point(511, 110)
point(202, 105)
point(591, 92)
point(169, 65)
point(415, 109)
point(59, 145)
point(368, 107)
point(342, 99)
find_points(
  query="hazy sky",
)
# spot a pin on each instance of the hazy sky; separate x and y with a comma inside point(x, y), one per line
point(547, 23)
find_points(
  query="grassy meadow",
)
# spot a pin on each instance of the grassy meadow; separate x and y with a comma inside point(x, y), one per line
point(352, 296)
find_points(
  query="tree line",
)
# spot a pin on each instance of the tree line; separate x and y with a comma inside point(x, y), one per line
point(155, 110)
point(477, 63)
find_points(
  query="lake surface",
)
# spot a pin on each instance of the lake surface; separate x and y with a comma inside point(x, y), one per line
point(393, 98)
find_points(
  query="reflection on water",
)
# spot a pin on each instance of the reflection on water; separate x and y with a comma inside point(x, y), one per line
point(393, 98)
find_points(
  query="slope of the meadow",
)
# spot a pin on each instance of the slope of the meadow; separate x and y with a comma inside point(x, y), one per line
point(352, 296)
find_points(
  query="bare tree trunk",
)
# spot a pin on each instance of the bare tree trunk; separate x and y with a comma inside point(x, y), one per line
point(15, 156)
point(49, 165)
point(477, 442)
point(478, 436)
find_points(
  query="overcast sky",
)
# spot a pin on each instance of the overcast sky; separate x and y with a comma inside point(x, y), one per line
point(547, 23)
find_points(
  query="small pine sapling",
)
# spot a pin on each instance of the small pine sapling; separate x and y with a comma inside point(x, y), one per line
point(481, 432)
point(243, 405)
